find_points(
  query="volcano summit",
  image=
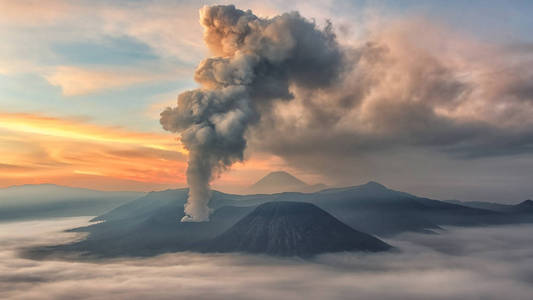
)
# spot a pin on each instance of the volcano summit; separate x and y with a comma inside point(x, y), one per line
point(286, 228)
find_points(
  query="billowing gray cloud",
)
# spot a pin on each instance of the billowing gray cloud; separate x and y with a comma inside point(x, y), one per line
point(411, 89)
point(400, 92)
point(256, 60)
point(459, 263)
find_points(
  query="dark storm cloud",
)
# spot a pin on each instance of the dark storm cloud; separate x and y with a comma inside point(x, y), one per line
point(459, 263)
point(409, 87)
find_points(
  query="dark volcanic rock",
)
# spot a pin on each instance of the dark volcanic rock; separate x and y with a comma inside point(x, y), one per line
point(527, 203)
point(292, 229)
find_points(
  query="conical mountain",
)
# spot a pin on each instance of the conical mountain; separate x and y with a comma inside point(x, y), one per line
point(292, 229)
point(281, 181)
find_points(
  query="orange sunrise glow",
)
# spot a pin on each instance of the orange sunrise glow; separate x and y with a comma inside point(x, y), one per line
point(56, 150)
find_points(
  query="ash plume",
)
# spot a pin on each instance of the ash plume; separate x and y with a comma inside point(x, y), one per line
point(255, 62)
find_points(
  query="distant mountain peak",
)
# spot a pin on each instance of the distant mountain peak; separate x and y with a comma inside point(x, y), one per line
point(281, 181)
point(374, 184)
point(278, 177)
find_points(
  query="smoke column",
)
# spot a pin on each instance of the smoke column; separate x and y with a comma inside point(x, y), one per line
point(255, 62)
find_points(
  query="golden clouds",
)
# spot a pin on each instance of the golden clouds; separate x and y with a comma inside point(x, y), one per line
point(75, 81)
point(39, 149)
point(76, 129)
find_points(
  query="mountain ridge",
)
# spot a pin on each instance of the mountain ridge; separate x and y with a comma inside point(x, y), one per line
point(33, 201)
point(521, 207)
point(150, 224)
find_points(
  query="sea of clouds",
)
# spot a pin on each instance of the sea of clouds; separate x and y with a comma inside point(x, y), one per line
point(458, 263)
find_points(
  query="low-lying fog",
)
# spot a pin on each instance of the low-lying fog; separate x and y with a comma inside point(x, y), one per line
point(460, 263)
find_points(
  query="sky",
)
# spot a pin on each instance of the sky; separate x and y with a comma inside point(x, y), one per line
point(444, 111)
